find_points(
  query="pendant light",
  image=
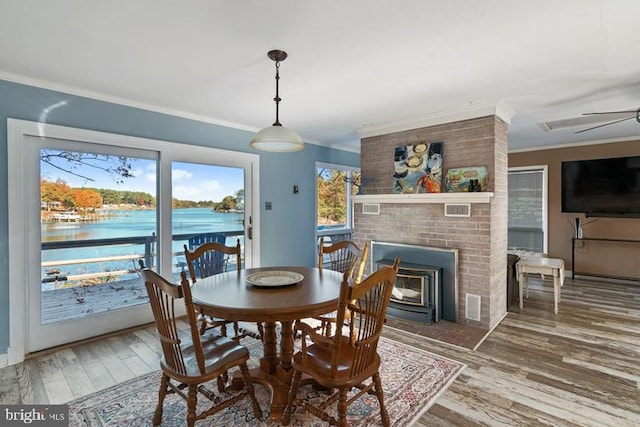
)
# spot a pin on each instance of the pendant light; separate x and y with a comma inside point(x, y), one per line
point(277, 138)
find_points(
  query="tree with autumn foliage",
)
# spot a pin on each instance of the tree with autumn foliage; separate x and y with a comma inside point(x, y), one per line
point(87, 199)
point(332, 196)
point(56, 191)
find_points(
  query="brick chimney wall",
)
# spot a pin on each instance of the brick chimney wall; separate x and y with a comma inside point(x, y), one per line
point(481, 240)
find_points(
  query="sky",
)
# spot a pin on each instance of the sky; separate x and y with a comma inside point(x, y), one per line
point(190, 181)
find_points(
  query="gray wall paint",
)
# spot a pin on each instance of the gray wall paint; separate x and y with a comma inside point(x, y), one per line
point(286, 231)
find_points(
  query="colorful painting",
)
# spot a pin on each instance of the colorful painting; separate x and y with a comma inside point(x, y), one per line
point(418, 168)
point(460, 180)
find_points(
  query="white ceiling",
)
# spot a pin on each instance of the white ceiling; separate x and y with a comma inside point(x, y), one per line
point(355, 64)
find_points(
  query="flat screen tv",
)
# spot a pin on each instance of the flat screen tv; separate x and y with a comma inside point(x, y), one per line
point(602, 187)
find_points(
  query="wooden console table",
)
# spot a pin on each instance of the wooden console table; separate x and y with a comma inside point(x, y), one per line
point(596, 239)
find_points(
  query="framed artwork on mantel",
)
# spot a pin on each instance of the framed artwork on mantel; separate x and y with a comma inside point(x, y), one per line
point(466, 179)
point(418, 168)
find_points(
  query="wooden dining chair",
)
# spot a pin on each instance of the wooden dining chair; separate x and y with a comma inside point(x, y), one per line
point(206, 260)
point(346, 257)
point(190, 362)
point(349, 358)
point(213, 258)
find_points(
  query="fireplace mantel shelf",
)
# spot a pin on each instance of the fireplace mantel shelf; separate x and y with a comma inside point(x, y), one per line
point(482, 197)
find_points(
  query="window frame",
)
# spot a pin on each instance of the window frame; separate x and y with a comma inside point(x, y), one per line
point(544, 199)
point(348, 228)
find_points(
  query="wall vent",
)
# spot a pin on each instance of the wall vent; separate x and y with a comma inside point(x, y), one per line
point(371, 208)
point(457, 209)
point(472, 307)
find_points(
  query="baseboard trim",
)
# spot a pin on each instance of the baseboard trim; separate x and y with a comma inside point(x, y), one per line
point(490, 331)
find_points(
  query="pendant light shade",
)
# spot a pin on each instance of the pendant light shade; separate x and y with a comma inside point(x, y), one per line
point(277, 138)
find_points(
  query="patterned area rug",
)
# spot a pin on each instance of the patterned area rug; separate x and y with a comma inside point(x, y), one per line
point(412, 380)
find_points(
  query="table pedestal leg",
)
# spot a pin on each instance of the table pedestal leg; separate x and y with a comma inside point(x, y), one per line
point(286, 345)
point(275, 372)
point(269, 361)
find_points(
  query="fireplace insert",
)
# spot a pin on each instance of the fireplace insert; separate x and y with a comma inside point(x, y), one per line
point(417, 294)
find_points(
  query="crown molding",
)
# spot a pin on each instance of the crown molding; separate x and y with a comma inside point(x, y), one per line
point(497, 108)
point(45, 84)
point(574, 144)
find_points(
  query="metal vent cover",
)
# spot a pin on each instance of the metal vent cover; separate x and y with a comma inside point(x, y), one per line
point(457, 209)
point(371, 208)
point(579, 121)
point(472, 307)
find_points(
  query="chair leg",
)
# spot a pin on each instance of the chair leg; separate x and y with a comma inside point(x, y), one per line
point(191, 405)
point(248, 383)
point(221, 382)
point(164, 384)
point(342, 407)
point(327, 329)
point(236, 330)
point(380, 395)
point(295, 383)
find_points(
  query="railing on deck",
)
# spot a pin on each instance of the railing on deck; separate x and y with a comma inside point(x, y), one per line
point(148, 255)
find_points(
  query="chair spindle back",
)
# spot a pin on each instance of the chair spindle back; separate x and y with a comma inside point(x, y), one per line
point(363, 307)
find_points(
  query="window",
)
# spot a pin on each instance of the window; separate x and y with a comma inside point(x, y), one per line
point(528, 209)
point(335, 186)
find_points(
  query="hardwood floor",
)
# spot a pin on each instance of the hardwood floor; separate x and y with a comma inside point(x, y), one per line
point(580, 367)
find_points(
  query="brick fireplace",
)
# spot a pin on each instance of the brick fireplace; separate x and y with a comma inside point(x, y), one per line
point(419, 219)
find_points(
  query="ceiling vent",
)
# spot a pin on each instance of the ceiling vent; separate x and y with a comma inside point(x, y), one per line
point(581, 121)
point(457, 209)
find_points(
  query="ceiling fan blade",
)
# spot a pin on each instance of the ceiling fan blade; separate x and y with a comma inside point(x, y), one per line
point(609, 112)
point(606, 124)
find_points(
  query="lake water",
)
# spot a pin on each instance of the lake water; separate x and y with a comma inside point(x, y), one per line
point(128, 223)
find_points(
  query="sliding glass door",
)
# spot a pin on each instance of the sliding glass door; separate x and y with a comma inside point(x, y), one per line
point(89, 209)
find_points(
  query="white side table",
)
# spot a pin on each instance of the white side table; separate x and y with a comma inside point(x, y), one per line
point(539, 265)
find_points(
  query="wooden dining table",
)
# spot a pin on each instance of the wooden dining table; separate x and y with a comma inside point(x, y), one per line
point(229, 296)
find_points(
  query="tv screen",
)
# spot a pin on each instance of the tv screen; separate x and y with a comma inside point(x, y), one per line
point(602, 187)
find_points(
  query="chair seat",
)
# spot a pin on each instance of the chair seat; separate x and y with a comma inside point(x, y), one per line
point(318, 361)
point(220, 353)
